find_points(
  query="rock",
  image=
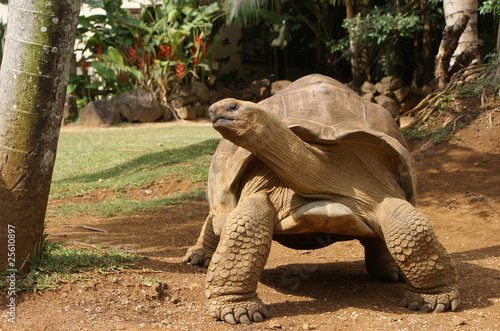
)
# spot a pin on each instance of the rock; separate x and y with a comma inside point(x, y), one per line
point(368, 88)
point(258, 90)
point(411, 101)
point(279, 85)
point(201, 110)
point(138, 106)
point(421, 92)
point(186, 112)
point(389, 104)
point(70, 110)
point(201, 91)
point(183, 96)
point(167, 113)
point(427, 89)
point(405, 121)
point(383, 89)
point(369, 97)
point(99, 113)
point(392, 83)
point(402, 93)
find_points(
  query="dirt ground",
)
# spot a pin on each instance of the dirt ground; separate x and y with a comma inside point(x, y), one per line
point(325, 289)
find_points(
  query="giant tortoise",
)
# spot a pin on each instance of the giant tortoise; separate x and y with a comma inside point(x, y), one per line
point(314, 163)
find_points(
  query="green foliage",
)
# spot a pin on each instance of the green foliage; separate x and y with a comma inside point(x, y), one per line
point(489, 7)
point(169, 43)
point(3, 29)
point(382, 24)
point(57, 264)
point(429, 130)
point(386, 33)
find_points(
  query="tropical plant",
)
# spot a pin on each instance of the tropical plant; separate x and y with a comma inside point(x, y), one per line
point(169, 43)
point(3, 28)
point(382, 30)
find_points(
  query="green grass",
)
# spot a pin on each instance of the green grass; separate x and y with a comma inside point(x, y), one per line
point(121, 205)
point(57, 264)
point(118, 159)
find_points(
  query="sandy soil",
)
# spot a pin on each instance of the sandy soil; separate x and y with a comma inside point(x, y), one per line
point(325, 289)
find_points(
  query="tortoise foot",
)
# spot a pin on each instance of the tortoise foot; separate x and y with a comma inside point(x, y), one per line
point(435, 300)
point(198, 255)
point(243, 311)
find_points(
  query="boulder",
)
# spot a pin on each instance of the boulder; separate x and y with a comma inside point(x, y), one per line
point(421, 91)
point(167, 113)
point(402, 93)
point(201, 91)
point(258, 90)
point(70, 110)
point(383, 89)
point(201, 109)
point(368, 88)
point(410, 102)
point(182, 97)
point(389, 104)
point(279, 85)
point(370, 97)
point(99, 113)
point(392, 83)
point(186, 112)
point(138, 106)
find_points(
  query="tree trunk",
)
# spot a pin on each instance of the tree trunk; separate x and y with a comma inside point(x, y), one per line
point(452, 11)
point(451, 35)
point(497, 75)
point(427, 51)
point(359, 60)
point(38, 48)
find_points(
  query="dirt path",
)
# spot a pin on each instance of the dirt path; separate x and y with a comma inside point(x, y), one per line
point(325, 289)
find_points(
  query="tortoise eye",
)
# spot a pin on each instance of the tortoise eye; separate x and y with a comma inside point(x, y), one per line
point(232, 107)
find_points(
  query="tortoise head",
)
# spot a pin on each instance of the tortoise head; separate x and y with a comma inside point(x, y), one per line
point(236, 119)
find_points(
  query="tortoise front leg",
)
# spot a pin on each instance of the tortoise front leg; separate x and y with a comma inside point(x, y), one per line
point(430, 272)
point(237, 263)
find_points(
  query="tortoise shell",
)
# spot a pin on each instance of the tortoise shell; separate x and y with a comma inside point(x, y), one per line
point(320, 110)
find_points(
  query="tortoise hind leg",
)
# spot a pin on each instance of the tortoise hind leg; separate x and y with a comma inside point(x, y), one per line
point(432, 279)
point(379, 262)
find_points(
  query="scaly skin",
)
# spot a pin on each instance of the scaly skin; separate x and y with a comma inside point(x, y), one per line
point(360, 178)
point(201, 253)
point(428, 268)
point(237, 263)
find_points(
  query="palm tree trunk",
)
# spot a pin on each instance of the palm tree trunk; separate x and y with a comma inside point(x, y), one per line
point(497, 75)
point(38, 48)
point(452, 11)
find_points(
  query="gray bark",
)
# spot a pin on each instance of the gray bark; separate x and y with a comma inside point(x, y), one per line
point(39, 44)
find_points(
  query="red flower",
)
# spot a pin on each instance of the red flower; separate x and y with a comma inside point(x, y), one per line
point(132, 52)
point(195, 61)
point(193, 50)
point(198, 40)
point(179, 70)
point(168, 51)
point(84, 65)
point(122, 77)
point(98, 51)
